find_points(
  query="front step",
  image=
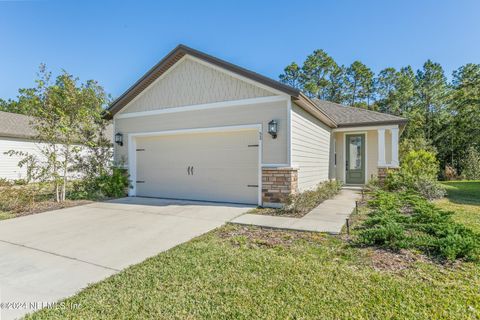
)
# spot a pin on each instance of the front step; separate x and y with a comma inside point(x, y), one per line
point(353, 187)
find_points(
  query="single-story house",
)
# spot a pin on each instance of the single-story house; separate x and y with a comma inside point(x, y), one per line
point(200, 128)
point(17, 133)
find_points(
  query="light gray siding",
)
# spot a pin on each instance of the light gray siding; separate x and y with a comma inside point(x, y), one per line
point(190, 83)
point(310, 148)
point(274, 150)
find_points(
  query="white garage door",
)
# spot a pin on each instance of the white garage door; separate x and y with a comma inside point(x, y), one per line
point(221, 166)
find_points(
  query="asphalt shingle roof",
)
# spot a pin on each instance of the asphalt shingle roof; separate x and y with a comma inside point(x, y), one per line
point(16, 125)
point(351, 116)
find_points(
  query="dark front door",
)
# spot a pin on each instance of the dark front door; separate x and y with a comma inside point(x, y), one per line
point(355, 156)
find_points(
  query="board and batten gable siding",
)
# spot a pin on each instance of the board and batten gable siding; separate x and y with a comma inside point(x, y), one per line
point(275, 151)
point(310, 148)
point(191, 82)
point(9, 168)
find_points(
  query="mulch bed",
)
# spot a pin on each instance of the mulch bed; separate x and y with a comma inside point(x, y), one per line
point(44, 206)
point(267, 238)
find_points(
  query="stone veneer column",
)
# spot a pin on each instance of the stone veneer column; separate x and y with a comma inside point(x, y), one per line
point(277, 185)
point(383, 172)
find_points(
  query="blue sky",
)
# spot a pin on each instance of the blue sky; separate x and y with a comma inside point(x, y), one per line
point(115, 42)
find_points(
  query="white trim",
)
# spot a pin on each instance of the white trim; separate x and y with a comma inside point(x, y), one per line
point(345, 154)
point(205, 106)
point(381, 147)
point(364, 128)
point(114, 143)
point(394, 136)
point(198, 130)
point(289, 131)
point(236, 75)
point(132, 146)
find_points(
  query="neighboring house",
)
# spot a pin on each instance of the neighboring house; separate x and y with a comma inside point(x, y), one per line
point(197, 127)
point(17, 133)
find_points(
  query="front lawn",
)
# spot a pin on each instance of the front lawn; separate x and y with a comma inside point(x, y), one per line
point(463, 197)
point(249, 273)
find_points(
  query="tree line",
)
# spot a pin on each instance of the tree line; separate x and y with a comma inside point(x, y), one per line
point(444, 116)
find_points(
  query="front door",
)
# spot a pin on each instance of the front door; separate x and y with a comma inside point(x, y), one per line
point(355, 159)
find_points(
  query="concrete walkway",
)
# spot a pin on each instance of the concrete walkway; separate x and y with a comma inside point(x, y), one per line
point(328, 217)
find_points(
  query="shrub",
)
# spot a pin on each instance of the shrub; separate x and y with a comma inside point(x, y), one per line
point(305, 201)
point(113, 184)
point(418, 173)
point(415, 144)
point(450, 173)
point(406, 220)
point(17, 199)
point(5, 183)
point(471, 165)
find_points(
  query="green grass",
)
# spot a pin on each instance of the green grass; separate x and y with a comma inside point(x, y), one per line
point(248, 273)
point(463, 197)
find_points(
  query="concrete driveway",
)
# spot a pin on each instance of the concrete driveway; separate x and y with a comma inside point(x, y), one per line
point(52, 255)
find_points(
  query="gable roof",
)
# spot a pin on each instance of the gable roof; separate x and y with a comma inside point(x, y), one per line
point(174, 56)
point(16, 125)
point(345, 116)
point(330, 113)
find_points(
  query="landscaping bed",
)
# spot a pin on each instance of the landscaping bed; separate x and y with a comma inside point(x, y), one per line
point(302, 203)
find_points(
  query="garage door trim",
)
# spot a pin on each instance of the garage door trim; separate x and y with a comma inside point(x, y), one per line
point(132, 146)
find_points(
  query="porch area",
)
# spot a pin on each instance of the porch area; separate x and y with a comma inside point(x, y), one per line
point(361, 153)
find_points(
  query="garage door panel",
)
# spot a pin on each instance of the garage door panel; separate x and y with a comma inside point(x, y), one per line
point(224, 166)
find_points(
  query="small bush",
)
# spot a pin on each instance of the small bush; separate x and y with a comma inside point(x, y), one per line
point(17, 199)
point(5, 183)
point(109, 185)
point(471, 165)
point(303, 202)
point(405, 220)
point(418, 173)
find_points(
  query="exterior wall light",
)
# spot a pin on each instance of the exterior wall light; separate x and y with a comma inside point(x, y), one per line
point(273, 128)
point(119, 139)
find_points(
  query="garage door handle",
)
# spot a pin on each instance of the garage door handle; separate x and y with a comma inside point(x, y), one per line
point(188, 170)
point(192, 170)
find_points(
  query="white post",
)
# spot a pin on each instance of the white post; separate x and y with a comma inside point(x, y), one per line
point(394, 132)
point(381, 147)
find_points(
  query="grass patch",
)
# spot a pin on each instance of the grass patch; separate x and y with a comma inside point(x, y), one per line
point(302, 203)
point(463, 198)
point(463, 192)
point(231, 273)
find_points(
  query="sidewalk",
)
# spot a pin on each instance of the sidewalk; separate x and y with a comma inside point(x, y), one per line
point(328, 217)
